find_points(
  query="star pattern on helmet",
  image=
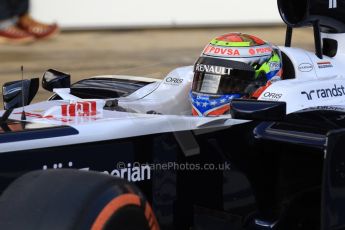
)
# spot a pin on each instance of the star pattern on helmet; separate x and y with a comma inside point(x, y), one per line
point(204, 103)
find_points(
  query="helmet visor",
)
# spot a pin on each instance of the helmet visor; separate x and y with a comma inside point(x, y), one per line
point(222, 76)
point(232, 82)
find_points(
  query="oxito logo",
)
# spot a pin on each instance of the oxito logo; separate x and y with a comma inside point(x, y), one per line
point(336, 91)
point(332, 4)
point(305, 67)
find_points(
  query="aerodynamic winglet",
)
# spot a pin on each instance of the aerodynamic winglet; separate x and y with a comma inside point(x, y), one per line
point(65, 94)
point(258, 110)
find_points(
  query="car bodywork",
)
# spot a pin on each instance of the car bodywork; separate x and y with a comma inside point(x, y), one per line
point(282, 169)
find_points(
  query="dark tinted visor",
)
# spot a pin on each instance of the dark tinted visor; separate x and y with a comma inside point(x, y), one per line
point(220, 76)
point(221, 84)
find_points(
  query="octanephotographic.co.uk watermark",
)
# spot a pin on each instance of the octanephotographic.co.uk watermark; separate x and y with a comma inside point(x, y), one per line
point(177, 166)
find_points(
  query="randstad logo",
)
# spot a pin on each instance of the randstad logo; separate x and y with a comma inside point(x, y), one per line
point(336, 91)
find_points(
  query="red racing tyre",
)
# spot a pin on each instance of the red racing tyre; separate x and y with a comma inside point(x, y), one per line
point(74, 200)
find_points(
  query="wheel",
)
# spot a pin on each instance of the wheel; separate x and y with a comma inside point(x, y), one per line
point(72, 199)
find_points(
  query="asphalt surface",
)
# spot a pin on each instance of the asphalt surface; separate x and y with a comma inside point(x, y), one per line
point(149, 53)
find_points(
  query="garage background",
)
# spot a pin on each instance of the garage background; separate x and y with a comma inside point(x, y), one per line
point(93, 14)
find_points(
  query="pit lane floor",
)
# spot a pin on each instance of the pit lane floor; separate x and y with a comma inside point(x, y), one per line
point(151, 52)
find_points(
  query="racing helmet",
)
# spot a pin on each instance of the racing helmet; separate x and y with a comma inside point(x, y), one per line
point(233, 65)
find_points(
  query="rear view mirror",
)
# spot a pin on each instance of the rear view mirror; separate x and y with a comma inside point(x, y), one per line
point(258, 110)
point(16, 91)
point(53, 79)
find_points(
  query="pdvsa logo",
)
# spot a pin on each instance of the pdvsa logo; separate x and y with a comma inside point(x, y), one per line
point(332, 4)
point(212, 50)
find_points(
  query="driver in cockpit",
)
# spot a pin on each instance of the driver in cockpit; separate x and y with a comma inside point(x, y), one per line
point(233, 65)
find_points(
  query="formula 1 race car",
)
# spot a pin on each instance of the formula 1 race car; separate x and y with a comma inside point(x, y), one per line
point(277, 162)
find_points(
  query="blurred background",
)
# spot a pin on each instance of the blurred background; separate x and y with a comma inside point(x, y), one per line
point(144, 38)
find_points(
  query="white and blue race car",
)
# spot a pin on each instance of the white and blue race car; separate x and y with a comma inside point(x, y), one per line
point(277, 162)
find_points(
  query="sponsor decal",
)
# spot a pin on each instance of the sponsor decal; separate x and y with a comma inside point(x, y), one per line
point(252, 51)
point(305, 67)
point(81, 111)
point(309, 95)
point(132, 173)
point(49, 117)
point(221, 51)
point(173, 81)
point(336, 91)
point(263, 50)
point(85, 108)
point(328, 108)
point(274, 66)
point(236, 52)
point(213, 69)
point(323, 65)
point(272, 96)
point(53, 118)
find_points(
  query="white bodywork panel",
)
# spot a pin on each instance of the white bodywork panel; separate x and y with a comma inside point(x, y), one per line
point(107, 125)
point(170, 96)
point(318, 82)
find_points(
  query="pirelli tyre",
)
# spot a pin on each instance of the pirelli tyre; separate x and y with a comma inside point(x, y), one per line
point(74, 200)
